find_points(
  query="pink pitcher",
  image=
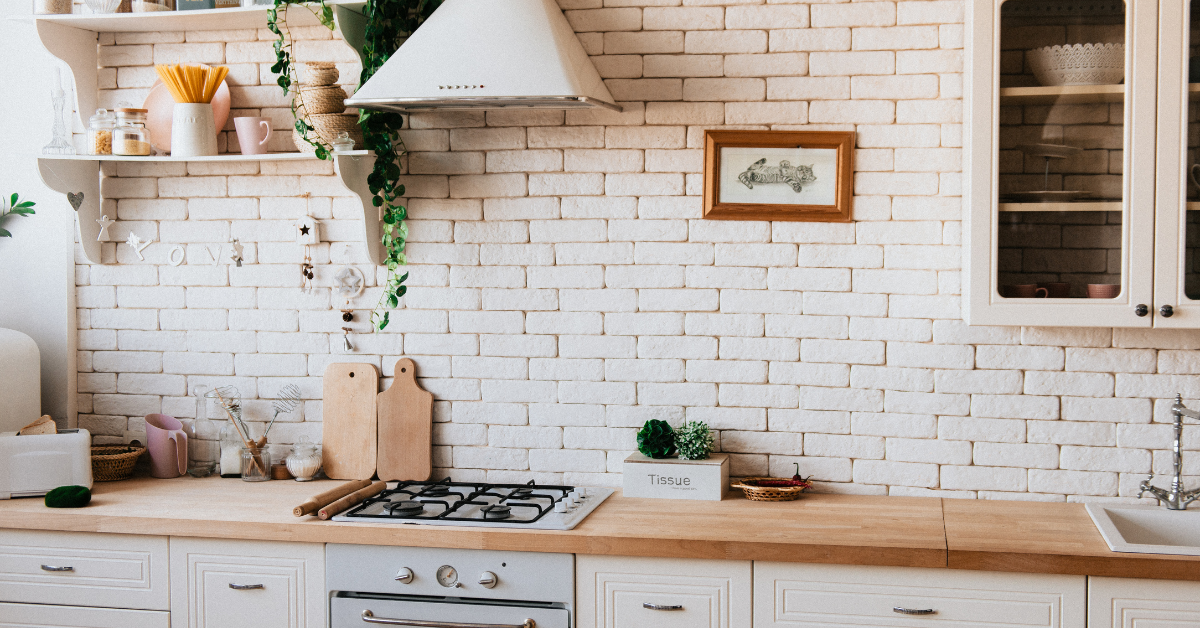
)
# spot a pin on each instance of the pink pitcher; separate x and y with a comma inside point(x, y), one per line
point(167, 459)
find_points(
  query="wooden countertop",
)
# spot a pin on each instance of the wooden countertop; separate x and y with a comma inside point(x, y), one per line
point(846, 529)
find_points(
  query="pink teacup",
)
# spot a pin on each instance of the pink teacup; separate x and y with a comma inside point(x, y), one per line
point(252, 134)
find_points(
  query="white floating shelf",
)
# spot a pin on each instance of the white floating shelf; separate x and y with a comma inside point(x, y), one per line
point(1062, 94)
point(207, 20)
point(225, 157)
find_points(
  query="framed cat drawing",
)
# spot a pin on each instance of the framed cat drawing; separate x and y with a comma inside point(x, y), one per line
point(779, 175)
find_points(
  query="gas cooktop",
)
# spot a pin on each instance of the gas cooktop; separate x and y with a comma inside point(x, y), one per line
point(534, 506)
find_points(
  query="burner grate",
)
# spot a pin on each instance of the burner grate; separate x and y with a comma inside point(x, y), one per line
point(465, 502)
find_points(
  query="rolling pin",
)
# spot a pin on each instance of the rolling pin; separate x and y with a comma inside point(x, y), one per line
point(351, 499)
point(315, 502)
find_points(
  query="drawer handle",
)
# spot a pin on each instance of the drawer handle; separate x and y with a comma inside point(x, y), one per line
point(245, 587)
point(50, 568)
point(370, 618)
point(662, 607)
point(913, 611)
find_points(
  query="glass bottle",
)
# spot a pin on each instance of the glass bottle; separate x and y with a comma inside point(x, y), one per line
point(100, 128)
point(130, 136)
point(203, 446)
point(231, 451)
point(304, 461)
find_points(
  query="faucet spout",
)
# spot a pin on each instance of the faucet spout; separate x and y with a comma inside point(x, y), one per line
point(1177, 498)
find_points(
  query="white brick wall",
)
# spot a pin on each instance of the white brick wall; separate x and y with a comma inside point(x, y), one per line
point(565, 289)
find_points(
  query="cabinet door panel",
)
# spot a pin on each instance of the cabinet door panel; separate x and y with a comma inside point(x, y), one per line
point(112, 570)
point(51, 616)
point(793, 595)
point(218, 584)
point(625, 592)
point(1130, 603)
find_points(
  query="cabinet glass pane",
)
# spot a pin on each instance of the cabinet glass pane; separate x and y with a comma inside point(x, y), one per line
point(1061, 146)
point(1191, 261)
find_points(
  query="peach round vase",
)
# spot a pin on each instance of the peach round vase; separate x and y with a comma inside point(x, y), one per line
point(1103, 290)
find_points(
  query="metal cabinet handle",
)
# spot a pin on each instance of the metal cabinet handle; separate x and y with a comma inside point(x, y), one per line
point(1166, 311)
point(1142, 309)
point(662, 607)
point(913, 611)
point(49, 568)
point(370, 618)
point(245, 587)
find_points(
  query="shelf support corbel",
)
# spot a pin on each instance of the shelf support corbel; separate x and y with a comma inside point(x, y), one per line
point(353, 171)
point(79, 182)
point(76, 48)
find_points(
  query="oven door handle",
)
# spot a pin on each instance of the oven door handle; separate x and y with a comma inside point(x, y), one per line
point(370, 618)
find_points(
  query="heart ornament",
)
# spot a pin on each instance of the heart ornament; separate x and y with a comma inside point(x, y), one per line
point(76, 199)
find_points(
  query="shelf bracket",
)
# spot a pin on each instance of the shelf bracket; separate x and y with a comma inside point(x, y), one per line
point(353, 171)
point(353, 27)
point(77, 48)
point(79, 182)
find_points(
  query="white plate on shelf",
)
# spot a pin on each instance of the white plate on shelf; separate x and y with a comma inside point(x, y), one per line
point(1048, 196)
point(1052, 151)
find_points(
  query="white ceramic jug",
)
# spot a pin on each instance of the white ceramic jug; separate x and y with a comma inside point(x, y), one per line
point(193, 131)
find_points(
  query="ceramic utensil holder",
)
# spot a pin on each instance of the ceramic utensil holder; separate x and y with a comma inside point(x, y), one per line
point(193, 131)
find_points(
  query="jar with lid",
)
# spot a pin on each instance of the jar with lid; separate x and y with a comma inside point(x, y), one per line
point(231, 451)
point(100, 130)
point(51, 7)
point(304, 461)
point(130, 136)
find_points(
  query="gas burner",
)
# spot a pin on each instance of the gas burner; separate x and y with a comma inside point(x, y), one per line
point(496, 511)
point(436, 491)
point(405, 508)
point(521, 493)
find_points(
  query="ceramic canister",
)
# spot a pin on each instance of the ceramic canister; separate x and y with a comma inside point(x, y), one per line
point(167, 443)
point(193, 131)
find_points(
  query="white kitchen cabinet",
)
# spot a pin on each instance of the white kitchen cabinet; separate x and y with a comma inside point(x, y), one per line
point(1071, 185)
point(84, 569)
point(793, 595)
point(254, 584)
point(1130, 603)
point(628, 592)
point(53, 616)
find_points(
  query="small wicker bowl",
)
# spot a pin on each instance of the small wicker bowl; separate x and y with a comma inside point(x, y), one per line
point(322, 100)
point(327, 127)
point(319, 73)
point(757, 493)
point(114, 462)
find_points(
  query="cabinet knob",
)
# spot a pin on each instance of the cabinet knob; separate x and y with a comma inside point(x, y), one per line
point(1166, 311)
point(1141, 310)
point(404, 576)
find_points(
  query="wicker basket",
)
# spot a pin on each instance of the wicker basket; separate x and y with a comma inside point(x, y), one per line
point(114, 462)
point(321, 73)
point(328, 127)
point(321, 100)
point(770, 493)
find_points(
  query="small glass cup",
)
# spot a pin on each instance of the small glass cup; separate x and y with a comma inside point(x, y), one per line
point(256, 464)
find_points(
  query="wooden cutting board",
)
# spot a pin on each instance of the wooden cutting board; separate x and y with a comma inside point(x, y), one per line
point(405, 427)
point(350, 417)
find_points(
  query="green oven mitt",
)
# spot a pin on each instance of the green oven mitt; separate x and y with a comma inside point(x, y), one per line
point(69, 497)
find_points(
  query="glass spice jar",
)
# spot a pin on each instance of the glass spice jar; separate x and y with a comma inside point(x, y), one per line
point(130, 136)
point(100, 130)
point(304, 461)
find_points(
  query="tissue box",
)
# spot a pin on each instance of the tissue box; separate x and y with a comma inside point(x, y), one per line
point(672, 478)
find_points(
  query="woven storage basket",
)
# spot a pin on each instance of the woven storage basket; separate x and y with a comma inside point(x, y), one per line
point(114, 462)
point(321, 73)
point(327, 128)
point(770, 493)
point(322, 100)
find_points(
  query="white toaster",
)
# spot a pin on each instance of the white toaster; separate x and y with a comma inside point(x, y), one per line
point(36, 464)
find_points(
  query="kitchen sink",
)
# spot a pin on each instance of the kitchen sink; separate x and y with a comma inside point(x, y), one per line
point(1148, 529)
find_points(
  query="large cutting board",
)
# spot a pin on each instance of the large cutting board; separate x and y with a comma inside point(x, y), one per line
point(405, 427)
point(349, 413)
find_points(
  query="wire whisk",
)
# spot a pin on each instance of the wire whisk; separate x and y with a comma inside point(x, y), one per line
point(289, 399)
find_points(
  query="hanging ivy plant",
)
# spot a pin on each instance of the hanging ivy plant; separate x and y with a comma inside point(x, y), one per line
point(388, 23)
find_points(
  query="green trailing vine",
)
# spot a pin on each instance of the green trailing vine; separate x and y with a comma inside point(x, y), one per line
point(388, 23)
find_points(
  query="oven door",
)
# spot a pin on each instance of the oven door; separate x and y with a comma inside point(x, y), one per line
point(377, 611)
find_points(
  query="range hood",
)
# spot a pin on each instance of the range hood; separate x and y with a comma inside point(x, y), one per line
point(488, 54)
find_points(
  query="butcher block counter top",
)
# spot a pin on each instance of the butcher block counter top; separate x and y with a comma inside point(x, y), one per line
point(845, 529)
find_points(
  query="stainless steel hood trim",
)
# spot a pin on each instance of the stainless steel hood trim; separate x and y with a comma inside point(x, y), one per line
point(467, 103)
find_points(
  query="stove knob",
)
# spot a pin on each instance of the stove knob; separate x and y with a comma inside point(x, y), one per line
point(404, 576)
point(488, 579)
point(560, 506)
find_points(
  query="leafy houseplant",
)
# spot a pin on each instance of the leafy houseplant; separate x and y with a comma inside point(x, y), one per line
point(388, 22)
point(656, 439)
point(16, 207)
point(694, 440)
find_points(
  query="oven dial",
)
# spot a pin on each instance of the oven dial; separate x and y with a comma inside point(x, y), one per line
point(404, 576)
point(488, 579)
point(447, 576)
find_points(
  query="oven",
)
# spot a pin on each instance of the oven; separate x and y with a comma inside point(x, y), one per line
point(448, 588)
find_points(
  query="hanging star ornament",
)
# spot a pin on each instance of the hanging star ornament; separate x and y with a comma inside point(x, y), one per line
point(137, 244)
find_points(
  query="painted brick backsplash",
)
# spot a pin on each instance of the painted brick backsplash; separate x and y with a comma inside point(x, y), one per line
point(564, 288)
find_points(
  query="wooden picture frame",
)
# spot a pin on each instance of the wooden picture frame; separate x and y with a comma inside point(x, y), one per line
point(822, 179)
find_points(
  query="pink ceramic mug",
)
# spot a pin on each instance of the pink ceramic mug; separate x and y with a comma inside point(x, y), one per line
point(167, 459)
point(249, 131)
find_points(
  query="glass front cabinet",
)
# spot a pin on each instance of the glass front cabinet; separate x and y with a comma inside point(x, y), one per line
point(1082, 187)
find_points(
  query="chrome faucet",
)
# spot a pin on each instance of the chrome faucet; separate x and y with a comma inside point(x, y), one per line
point(1178, 497)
